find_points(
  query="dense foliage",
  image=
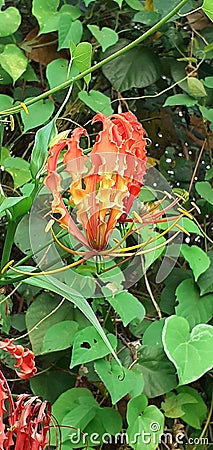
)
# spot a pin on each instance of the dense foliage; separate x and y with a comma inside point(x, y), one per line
point(119, 315)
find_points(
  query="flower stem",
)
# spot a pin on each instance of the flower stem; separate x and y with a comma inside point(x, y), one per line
point(97, 66)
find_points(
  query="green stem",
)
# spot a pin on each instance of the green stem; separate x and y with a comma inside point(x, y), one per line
point(97, 66)
point(11, 229)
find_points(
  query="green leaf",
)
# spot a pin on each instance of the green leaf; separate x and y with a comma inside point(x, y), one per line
point(205, 281)
point(46, 14)
point(186, 223)
point(14, 61)
point(82, 58)
point(149, 18)
point(205, 190)
point(190, 353)
point(89, 346)
point(168, 299)
point(6, 306)
point(4, 153)
point(173, 404)
point(134, 4)
point(87, 2)
point(52, 383)
point(106, 36)
point(208, 82)
point(180, 99)
point(207, 8)
point(57, 72)
point(144, 421)
point(118, 380)
point(10, 19)
point(127, 306)
point(159, 373)
point(153, 334)
point(193, 415)
point(196, 88)
point(191, 306)
point(65, 331)
point(124, 74)
point(97, 101)
point(69, 32)
point(19, 169)
point(39, 113)
point(198, 260)
point(119, 2)
point(38, 310)
point(40, 149)
point(18, 206)
point(53, 284)
point(6, 102)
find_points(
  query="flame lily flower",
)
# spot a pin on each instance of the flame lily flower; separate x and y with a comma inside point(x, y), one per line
point(24, 358)
point(103, 195)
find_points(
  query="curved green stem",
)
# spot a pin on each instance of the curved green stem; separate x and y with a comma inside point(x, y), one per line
point(97, 66)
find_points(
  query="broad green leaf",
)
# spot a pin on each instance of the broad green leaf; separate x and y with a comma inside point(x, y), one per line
point(65, 331)
point(134, 4)
point(196, 87)
point(97, 101)
point(38, 114)
point(69, 32)
point(135, 406)
point(159, 373)
point(208, 9)
point(73, 11)
point(191, 305)
point(46, 14)
point(148, 423)
point(89, 346)
point(118, 380)
point(40, 148)
point(6, 102)
point(14, 61)
point(10, 19)
point(57, 72)
point(5, 78)
point(82, 58)
point(207, 113)
point(198, 260)
point(209, 174)
point(127, 306)
point(53, 284)
point(153, 334)
point(106, 36)
point(208, 82)
point(29, 74)
point(147, 17)
point(173, 404)
point(205, 190)
point(19, 169)
point(52, 383)
point(180, 99)
point(205, 281)
point(38, 310)
point(186, 223)
point(168, 298)
point(124, 74)
point(196, 413)
point(190, 353)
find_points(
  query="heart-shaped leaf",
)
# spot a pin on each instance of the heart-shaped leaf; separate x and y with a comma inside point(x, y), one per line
point(65, 332)
point(82, 57)
point(88, 346)
point(190, 353)
point(127, 306)
point(10, 19)
point(106, 36)
point(97, 101)
point(205, 190)
point(14, 61)
point(191, 305)
point(39, 113)
point(198, 260)
point(118, 380)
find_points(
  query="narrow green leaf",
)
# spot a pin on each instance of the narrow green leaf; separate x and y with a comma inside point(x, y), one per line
point(40, 149)
point(82, 58)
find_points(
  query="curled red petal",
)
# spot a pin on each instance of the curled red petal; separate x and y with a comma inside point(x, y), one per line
point(25, 358)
